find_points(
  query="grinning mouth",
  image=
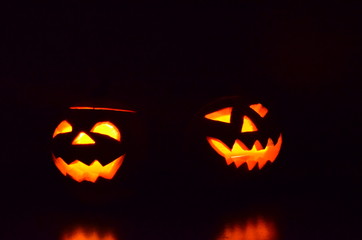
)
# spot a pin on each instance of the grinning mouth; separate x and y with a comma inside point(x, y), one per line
point(82, 172)
point(240, 154)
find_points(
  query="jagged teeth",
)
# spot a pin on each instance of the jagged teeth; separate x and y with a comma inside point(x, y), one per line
point(239, 160)
point(82, 172)
point(251, 164)
point(240, 154)
point(257, 146)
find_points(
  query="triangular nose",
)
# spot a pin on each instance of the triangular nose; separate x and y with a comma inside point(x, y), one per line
point(83, 138)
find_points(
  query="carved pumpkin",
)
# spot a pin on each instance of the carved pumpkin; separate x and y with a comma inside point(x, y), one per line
point(242, 132)
point(89, 143)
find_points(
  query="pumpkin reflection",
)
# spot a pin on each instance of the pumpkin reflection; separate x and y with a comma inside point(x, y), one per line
point(82, 233)
point(252, 229)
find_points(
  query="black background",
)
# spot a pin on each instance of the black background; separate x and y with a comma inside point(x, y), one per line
point(302, 60)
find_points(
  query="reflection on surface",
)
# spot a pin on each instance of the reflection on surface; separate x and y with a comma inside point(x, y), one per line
point(251, 229)
point(88, 233)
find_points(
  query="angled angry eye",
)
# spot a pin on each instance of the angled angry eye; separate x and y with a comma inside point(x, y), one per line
point(248, 125)
point(63, 127)
point(259, 109)
point(222, 115)
point(107, 128)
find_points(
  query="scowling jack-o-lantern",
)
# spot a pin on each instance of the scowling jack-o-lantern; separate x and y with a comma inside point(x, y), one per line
point(242, 132)
point(89, 143)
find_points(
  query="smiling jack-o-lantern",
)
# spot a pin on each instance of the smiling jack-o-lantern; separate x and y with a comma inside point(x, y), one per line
point(89, 143)
point(242, 132)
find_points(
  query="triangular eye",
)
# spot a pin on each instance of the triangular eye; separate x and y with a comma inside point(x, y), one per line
point(259, 109)
point(248, 125)
point(63, 127)
point(107, 128)
point(222, 115)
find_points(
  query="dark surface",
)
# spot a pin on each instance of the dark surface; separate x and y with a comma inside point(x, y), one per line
point(301, 60)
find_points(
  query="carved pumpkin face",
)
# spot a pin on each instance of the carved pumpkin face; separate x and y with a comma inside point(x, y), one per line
point(88, 144)
point(242, 133)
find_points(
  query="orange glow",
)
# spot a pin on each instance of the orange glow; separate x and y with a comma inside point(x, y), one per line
point(107, 128)
point(82, 172)
point(222, 115)
point(63, 127)
point(100, 108)
point(248, 125)
point(82, 233)
point(259, 109)
point(83, 139)
point(240, 154)
point(254, 229)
